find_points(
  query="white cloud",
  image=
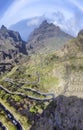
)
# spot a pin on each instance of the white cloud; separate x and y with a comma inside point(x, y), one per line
point(34, 21)
point(22, 9)
point(71, 25)
point(68, 13)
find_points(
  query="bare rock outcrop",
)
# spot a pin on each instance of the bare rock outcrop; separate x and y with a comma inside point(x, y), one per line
point(65, 113)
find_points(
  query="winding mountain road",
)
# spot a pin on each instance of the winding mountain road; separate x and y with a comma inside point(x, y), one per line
point(39, 93)
point(28, 89)
point(11, 118)
point(2, 126)
point(46, 97)
point(30, 97)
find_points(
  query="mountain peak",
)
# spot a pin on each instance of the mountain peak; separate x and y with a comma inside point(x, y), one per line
point(3, 27)
point(47, 30)
point(47, 35)
point(45, 24)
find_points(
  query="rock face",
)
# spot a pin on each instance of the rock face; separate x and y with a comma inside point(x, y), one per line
point(72, 71)
point(74, 48)
point(5, 67)
point(11, 44)
point(65, 113)
point(47, 36)
point(12, 48)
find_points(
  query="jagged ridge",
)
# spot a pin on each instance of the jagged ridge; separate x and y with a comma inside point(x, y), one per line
point(47, 36)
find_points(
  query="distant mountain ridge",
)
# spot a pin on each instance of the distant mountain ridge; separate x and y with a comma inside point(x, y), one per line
point(26, 26)
point(47, 35)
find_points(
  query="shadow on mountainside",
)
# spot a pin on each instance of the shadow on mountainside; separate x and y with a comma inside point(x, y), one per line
point(64, 113)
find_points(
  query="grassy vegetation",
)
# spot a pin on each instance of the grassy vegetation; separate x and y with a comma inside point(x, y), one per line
point(27, 71)
point(53, 73)
point(5, 121)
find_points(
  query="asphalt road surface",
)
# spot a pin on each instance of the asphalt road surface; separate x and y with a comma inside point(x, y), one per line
point(11, 118)
point(2, 126)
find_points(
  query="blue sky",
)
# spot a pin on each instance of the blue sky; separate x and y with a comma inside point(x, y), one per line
point(3, 7)
point(68, 14)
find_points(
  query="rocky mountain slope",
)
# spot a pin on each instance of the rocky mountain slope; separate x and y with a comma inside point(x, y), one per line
point(65, 112)
point(12, 48)
point(27, 26)
point(11, 44)
point(75, 47)
point(47, 37)
point(73, 51)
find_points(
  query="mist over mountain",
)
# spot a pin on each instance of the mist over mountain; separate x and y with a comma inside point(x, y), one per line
point(26, 27)
point(68, 25)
